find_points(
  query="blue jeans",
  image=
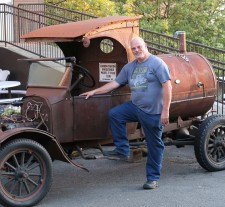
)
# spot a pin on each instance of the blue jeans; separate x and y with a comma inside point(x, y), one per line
point(128, 112)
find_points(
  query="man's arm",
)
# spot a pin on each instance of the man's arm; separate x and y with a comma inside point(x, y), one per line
point(101, 90)
point(167, 96)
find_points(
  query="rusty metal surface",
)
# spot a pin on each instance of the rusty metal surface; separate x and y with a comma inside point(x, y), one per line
point(120, 28)
point(193, 79)
point(50, 142)
point(55, 107)
point(91, 116)
point(54, 94)
point(69, 31)
point(194, 84)
point(72, 118)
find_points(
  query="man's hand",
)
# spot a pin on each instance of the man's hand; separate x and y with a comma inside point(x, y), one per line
point(88, 94)
point(102, 90)
point(165, 118)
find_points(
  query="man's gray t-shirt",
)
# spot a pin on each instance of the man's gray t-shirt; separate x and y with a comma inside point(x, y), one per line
point(145, 80)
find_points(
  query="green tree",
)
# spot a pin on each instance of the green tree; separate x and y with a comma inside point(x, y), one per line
point(203, 20)
point(92, 7)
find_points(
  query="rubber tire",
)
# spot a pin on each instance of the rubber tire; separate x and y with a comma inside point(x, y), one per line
point(41, 156)
point(207, 127)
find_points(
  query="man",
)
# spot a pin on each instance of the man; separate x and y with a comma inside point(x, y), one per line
point(149, 80)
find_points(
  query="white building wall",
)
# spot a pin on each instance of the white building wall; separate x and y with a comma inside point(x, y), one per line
point(16, 2)
point(6, 22)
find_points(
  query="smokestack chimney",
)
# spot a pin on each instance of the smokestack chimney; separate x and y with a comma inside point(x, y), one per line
point(182, 40)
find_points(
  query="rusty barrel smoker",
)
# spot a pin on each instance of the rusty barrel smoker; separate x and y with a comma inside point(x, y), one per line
point(193, 80)
point(194, 85)
point(194, 91)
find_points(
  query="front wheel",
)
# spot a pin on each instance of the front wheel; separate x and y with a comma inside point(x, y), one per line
point(210, 143)
point(26, 173)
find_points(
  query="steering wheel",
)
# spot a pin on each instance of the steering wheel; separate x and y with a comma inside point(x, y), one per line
point(83, 77)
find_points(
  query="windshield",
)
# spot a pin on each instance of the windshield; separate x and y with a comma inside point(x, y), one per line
point(45, 73)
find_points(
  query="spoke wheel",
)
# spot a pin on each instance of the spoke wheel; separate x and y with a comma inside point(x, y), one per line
point(210, 143)
point(26, 173)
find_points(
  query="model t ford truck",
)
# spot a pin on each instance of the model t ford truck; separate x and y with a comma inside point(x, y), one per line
point(55, 120)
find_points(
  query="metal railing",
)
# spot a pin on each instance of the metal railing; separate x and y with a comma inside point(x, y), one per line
point(55, 12)
point(159, 43)
point(16, 21)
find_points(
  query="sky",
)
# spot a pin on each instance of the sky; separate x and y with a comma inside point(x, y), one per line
point(6, 1)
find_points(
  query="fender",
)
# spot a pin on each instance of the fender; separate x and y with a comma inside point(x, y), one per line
point(44, 138)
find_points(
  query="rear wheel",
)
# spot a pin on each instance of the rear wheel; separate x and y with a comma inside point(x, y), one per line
point(210, 143)
point(26, 173)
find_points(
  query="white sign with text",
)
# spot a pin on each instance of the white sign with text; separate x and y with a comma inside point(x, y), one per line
point(107, 72)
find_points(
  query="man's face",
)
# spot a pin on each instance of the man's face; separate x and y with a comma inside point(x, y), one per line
point(139, 49)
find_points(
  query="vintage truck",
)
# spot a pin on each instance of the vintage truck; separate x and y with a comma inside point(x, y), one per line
point(55, 121)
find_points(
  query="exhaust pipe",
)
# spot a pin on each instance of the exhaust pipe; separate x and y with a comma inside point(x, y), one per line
point(182, 40)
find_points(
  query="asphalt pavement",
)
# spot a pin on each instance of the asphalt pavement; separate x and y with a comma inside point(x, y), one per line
point(113, 183)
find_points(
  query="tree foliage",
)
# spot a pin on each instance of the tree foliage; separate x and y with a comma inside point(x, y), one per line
point(202, 20)
point(93, 7)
